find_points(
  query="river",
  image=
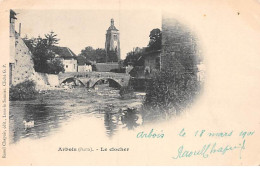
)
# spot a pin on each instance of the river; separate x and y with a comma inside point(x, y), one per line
point(43, 117)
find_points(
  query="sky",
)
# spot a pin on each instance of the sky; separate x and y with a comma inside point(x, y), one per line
point(78, 29)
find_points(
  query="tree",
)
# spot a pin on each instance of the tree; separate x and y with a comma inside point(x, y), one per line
point(43, 56)
point(155, 42)
point(91, 54)
point(55, 66)
point(134, 57)
point(100, 55)
point(88, 53)
point(112, 56)
point(51, 39)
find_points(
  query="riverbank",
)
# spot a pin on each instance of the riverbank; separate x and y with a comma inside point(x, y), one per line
point(57, 106)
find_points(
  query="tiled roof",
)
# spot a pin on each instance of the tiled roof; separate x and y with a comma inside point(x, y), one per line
point(63, 52)
point(112, 27)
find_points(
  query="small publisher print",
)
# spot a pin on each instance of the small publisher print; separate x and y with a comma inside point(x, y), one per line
point(3, 116)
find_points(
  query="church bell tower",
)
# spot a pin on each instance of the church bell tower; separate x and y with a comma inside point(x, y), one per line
point(112, 45)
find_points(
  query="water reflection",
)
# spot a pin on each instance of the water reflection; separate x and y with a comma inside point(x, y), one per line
point(43, 117)
point(55, 108)
point(33, 120)
point(131, 118)
point(110, 124)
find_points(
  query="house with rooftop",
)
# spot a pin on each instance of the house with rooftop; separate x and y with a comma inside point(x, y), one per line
point(84, 65)
point(152, 62)
point(68, 58)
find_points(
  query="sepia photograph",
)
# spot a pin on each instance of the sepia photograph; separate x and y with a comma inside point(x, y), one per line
point(71, 66)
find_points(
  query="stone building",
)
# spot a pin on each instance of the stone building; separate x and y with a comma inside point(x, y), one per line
point(20, 63)
point(112, 45)
point(180, 47)
point(149, 63)
point(12, 45)
point(68, 58)
point(84, 65)
point(179, 53)
point(84, 68)
point(21, 66)
point(152, 61)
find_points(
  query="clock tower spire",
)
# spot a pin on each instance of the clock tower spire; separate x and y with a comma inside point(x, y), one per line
point(112, 45)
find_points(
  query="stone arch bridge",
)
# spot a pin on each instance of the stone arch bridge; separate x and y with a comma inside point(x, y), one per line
point(90, 79)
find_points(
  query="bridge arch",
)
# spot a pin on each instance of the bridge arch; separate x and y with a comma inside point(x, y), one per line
point(112, 82)
point(74, 80)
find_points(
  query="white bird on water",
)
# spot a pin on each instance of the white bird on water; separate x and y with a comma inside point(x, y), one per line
point(28, 124)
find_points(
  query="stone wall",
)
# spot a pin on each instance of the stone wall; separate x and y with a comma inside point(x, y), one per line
point(53, 80)
point(179, 46)
point(23, 67)
point(44, 80)
point(84, 68)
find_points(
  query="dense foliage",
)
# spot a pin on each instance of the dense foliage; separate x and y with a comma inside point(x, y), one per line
point(167, 90)
point(43, 56)
point(120, 70)
point(134, 57)
point(23, 91)
point(91, 54)
point(155, 43)
point(112, 56)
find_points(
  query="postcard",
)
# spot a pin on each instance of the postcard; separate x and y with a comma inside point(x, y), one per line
point(126, 83)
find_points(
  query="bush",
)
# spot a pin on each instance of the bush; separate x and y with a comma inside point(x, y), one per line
point(94, 68)
point(55, 66)
point(23, 91)
point(167, 90)
point(121, 70)
point(126, 92)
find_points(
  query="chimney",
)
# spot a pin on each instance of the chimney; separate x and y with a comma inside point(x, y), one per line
point(20, 25)
point(12, 23)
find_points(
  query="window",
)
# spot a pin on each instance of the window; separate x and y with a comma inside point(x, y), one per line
point(74, 66)
point(67, 66)
point(115, 37)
